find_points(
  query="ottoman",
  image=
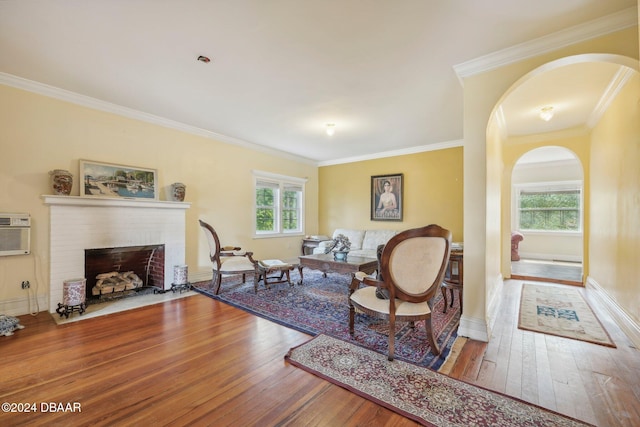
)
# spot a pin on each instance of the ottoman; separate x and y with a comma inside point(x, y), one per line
point(273, 271)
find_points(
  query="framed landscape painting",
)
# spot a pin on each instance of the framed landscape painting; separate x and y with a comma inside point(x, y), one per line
point(119, 181)
point(386, 197)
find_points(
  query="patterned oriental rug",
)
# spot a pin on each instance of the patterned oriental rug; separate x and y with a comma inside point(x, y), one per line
point(320, 305)
point(417, 393)
point(560, 311)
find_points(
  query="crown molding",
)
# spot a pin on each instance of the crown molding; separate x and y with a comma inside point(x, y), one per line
point(97, 104)
point(598, 27)
point(393, 153)
point(613, 89)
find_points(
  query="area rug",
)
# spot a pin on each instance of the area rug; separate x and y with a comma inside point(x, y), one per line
point(417, 393)
point(560, 311)
point(321, 305)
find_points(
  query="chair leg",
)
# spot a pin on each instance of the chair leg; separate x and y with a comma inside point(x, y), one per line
point(444, 296)
point(432, 342)
point(352, 313)
point(392, 338)
point(217, 279)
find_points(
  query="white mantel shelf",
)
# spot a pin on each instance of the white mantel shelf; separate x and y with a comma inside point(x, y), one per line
point(112, 202)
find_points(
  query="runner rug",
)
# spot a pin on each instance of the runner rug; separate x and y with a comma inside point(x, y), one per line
point(560, 311)
point(320, 305)
point(417, 393)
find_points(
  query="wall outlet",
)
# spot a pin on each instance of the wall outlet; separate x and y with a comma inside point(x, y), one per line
point(26, 284)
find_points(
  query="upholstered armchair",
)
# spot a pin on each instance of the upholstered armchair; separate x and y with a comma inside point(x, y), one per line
point(412, 267)
point(228, 260)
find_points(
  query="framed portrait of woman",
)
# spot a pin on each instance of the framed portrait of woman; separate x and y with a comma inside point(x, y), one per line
point(386, 197)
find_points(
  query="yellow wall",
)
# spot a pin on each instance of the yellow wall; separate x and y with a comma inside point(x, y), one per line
point(41, 133)
point(615, 200)
point(432, 192)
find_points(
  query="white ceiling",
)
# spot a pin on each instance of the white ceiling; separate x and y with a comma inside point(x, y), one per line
point(382, 71)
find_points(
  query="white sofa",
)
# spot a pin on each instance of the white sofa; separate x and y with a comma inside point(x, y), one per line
point(364, 243)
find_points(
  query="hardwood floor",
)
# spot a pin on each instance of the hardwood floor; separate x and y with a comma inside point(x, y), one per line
point(196, 361)
point(594, 383)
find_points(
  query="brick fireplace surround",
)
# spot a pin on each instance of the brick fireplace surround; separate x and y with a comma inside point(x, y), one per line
point(79, 223)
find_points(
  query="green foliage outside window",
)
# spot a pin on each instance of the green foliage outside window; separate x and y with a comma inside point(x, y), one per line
point(550, 210)
point(290, 210)
point(278, 207)
point(265, 209)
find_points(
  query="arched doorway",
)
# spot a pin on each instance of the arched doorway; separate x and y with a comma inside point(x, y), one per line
point(580, 88)
point(547, 216)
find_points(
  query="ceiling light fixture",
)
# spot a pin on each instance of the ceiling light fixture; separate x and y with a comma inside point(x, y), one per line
point(546, 113)
point(331, 129)
point(204, 59)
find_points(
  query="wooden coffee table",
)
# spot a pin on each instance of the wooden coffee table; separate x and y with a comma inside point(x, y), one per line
point(326, 264)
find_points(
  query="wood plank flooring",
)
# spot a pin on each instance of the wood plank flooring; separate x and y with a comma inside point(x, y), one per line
point(196, 361)
point(594, 383)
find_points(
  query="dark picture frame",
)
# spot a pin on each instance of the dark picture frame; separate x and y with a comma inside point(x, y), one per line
point(387, 197)
point(117, 181)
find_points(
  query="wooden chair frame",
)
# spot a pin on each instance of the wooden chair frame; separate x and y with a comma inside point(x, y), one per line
point(218, 255)
point(396, 293)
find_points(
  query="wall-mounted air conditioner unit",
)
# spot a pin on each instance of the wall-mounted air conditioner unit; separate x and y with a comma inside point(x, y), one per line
point(15, 234)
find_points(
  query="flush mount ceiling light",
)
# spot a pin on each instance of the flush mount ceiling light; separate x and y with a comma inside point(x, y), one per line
point(546, 113)
point(331, 129)
point(204, 59)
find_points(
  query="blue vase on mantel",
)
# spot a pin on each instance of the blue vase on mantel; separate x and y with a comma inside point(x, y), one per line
point(340, 255)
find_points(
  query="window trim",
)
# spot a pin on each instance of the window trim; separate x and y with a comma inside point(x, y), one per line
point(281, 181)
point(548, 186)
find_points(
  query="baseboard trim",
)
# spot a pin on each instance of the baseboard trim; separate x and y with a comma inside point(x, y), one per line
point(26, 305)
point(629, 326)
point(473, 328)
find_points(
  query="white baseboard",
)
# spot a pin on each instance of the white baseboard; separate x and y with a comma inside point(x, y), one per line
point(25, 305)
point(480, 329)
point(20, 306)
point(473, 328)
point(629, 326)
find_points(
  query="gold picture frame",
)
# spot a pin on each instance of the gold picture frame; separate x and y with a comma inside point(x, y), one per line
point(100, 179)
point(387, 197)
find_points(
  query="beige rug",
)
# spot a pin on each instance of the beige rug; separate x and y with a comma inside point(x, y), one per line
point(560, 311)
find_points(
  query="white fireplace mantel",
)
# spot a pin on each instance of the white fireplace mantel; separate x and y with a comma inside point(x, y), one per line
point(80, 223)
point(113, 202)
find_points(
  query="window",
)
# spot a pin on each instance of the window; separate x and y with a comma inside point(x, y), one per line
point(279, 204)
point(549, 207)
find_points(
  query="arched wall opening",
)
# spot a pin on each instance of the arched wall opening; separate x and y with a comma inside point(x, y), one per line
point(576, 137)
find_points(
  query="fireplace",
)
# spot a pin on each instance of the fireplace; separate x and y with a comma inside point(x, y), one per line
point(115, 272)
point(79, 224)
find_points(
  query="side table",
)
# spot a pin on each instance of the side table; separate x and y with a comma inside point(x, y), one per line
point(454, 277)
point(309, 244)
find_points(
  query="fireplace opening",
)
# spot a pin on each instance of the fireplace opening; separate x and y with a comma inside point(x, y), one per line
point(123, 271)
